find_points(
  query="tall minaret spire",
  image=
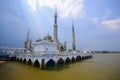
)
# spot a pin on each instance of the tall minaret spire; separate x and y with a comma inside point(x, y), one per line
point(27, 43)
point(55, 29)
point(73, 38)
point(55, 16)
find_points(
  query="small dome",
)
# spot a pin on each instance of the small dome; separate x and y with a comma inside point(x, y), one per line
point(47, 37)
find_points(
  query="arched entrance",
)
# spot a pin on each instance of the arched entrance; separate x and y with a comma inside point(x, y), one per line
point(29, 62)
point(24, 61)
point(73, 59)
point(78, 58)
point(36, 63)
point(60, 61)
point(61, 48)
point(67, 61)
point(50, 63)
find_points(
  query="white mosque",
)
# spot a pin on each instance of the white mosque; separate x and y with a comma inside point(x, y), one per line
point(49, 51)
point(49, 44)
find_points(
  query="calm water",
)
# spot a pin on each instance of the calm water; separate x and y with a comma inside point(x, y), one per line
point(100, 67)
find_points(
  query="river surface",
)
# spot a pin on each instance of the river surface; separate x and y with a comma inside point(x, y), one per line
point(100, 67)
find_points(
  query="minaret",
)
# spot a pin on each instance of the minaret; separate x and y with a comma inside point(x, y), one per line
point(65, 45)
point(55, 26)
point(55, 29)
point(73, 38)
point(27, 38)
point(28, 42)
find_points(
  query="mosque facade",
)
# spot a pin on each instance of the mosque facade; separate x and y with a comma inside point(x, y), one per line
point(49, 43)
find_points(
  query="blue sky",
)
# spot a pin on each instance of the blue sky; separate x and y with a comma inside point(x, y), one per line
point(97, 22)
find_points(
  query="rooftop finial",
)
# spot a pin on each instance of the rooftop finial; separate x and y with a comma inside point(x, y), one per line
point(55, 11)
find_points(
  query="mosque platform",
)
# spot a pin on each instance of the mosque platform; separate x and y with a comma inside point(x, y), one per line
point(47, 60)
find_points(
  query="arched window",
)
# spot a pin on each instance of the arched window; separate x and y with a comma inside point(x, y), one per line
point(50, 63)
point(67, 61)
point(60, 61)
point(36, 63)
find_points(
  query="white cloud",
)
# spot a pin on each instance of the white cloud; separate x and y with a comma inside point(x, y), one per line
point(66, 8)
point(113, 24)
point(33, 4)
